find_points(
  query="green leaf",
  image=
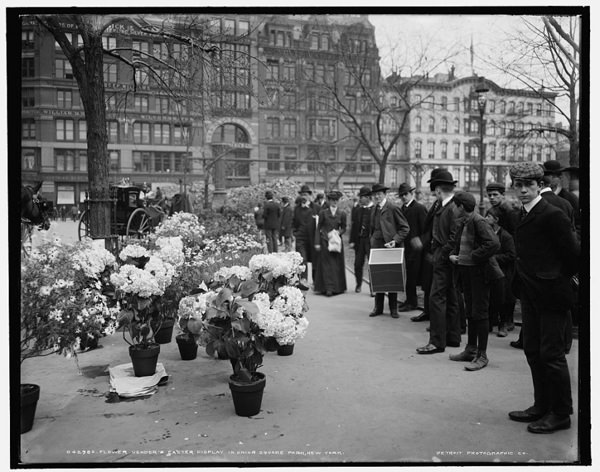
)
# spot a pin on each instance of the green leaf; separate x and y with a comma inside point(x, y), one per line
point(210, 349)
point(225, 295)
point(248, 306)
point(125, 317)
point(143, 303)
point(241, 324)
point(247, 288)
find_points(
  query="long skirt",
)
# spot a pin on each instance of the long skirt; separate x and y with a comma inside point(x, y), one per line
point(331, 272)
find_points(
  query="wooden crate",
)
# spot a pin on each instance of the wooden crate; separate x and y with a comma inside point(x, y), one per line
point(387, 270)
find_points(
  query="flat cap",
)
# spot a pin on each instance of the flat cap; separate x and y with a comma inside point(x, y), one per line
point(526, 170)
point(465, 199)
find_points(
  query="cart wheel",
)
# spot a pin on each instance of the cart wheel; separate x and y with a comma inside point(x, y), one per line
point(83, 228)
point(139, 224)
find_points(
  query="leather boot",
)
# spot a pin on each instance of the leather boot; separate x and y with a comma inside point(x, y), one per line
point(479, 362)
point(467, 355)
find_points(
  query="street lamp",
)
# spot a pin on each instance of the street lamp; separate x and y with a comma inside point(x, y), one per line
point(481, 91)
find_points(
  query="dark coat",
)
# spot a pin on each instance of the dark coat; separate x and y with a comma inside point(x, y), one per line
point(561, 203)
point(272, 212)
point(304, 226)
point(415, 215)
point(287, 215)
point(508, 217)
point(355, 224)
point(485, 244)
point(547, 256)
point(507, 255)
point(444, 223)
point(393, 224)
point(328, 222)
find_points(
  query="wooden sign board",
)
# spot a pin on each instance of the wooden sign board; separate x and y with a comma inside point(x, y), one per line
point(387, 270)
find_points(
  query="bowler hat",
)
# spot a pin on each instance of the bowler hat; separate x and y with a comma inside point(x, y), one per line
point(305, 189)
point(573, 170)
point(526, 171)
point(465, 199)
point(364, 191)
point(442, 177)
point(379, 188)
point(334, 195)
point(404, 189)
point(552, 168)
point(495, 186)
point(435, 172)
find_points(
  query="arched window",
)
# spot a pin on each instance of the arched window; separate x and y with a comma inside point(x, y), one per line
point(418, 123)
point(431, 124)
point(456, 125)
point(228, 144)
point(444, 125)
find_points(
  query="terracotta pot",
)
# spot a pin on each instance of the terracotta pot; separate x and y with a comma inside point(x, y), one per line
point(165, 332)
point(247, 396)
point(188, 349)
point(285, 350)
point(144, 360)
point(30, 394)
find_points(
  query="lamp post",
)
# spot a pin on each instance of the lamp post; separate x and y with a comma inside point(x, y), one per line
point(481, 91)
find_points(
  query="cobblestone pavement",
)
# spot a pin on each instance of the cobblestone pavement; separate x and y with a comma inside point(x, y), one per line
point(353, 391)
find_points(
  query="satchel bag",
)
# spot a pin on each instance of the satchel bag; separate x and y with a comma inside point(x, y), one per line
point(334, 241)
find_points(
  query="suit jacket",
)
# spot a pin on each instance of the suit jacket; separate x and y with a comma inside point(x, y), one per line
point(393, 224)
point(356, 223)
point(304, 225)
point(508, 217)
point(415, 215)
point(272, 212)
point(287, 215)
point(507, 255)
point(444, 223)
point(547, 256)
point(561, 203)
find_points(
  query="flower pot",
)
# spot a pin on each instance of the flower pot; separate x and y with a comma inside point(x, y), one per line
point(30, 394)
point(285, 350)
point(144, 360)
point(88, 343)
point(188, 349)
point(247, 396)
point(164, 334)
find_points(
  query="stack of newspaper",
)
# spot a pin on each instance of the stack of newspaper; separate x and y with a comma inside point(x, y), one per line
point(124, 382)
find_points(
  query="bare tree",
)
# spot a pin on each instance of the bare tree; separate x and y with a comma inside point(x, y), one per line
point(543, 55)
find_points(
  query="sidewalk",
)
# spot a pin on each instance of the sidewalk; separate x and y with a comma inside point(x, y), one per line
point(354, 390)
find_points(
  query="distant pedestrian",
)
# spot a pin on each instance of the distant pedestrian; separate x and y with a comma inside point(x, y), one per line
point(272, 212)
point(360, 233)
point(508, 215)
point(304, 225)
point(74, 213)
point(285, 230)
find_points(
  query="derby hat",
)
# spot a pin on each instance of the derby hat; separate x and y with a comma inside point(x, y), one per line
point(404, 189)
point(442, 177)
point(334, 195)
point(495, 186)
point(553, 168)
point(573, 170)
point(526, 171)
point(305, 189)
point(379, 188)
point(364, 191)
point(435, 172)
point(464, 199)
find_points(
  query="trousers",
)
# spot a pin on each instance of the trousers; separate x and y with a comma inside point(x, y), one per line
point(443, 306)
point(361, 251)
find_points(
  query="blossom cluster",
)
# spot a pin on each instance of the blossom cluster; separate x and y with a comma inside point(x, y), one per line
point(186, 226)
point(225, 273)
point(284, 264)
point(92, 259)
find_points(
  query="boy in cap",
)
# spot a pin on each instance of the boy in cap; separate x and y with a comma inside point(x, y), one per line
point(495, 192)
point(471, 248)
point(547, 257)
point(415, 215)
point(360, 232)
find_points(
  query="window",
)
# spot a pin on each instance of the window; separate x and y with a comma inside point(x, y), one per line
point(113, 131)
point(417, 101)
point(115, 161)
point(325, 42)
point(319, 73)
point(27, 97)
point(64, 130)
point(27, 67)
point(510, 128)
point(456, 125)
point(475, 151)
point(273, 157)
point(290, 155)
point(162, 105)
point(548, 150)
point(28, 159)
point(511, 108)
point(141, 133)
point(28, 129)
point(242, 100)
point(82, 130)
point(538, 153)
point(366, 78)
point(289, 71)
point(141, 103)
point(368, 130)
point(141, 77)
point(272, 127)
point(474, 106)
point(140, 46)
point(162, 133)
point(431, 126)
point(272, 70)
point(64, 99)
point(519, 153)
point(418, 123)
point(288, 100)
point(529, 155)
point(366, 168)
point(520, 108)
point(502, 107)
point(418, 149)
point(279, 39)
point(309, 71)
point(63, 69)
point(511, 152)
point(456, 150)
point(456, 103)
point(491, 129)
point(444, 148)
point(228, 26)
point(351, 103)
point(64, 160)
point(178, 160)
point(110, 73)
point(141, 161)
point(529, 108)
point(350, 158)
point(491, 148)
point(180, 134)
point(314, 41)
point(474, 126)
point(502, 128)
point(289, 128)
point(27, 40)
point(444, 104)
point(431, 149)
point(243, 27)
point(491, 106)
point(162, 162)
point(503, 152)
point(109, 42)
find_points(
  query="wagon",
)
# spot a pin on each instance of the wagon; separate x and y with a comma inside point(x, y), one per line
point(130, 215)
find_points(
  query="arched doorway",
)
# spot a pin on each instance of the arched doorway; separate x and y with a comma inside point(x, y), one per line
point(231, 153)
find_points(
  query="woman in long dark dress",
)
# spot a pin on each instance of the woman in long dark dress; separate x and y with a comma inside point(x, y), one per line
point(330, 277)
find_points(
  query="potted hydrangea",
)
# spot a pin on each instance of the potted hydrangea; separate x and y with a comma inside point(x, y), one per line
point(62, 304)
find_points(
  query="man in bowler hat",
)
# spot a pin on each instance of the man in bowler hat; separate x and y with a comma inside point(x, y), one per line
point(444, 316)
point(415, 214)
point(389, 228)
point(360, 233)
point(304, 225)
point(547, 257)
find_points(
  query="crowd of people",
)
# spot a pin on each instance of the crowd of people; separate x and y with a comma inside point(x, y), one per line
point(471, 264)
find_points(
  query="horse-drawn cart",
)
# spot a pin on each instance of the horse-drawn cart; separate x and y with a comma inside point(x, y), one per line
point(130, 215)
